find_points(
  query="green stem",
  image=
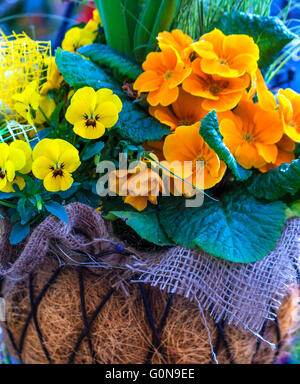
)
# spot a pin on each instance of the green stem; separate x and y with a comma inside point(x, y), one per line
point(8, 204)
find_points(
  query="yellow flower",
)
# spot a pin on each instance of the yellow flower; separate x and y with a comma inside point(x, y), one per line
point(92, 112)
point(54, 161)
point(27, 102)
point(47, 105)
point(26, 149)
point(54, 78)
point(227, 56)
point(94, 23)
point(77, 37)
point(12, 160)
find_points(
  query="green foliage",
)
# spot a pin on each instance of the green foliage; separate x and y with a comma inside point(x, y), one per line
point(145, 224)
point(276, 183)
point(57, 210)
point(134, 123)
point(269, 33)
point(18, 233)
point(293, 210)
point(238, 228)
point(210, 132)
point(91, 150)
point(106, 56)
point(115, 26)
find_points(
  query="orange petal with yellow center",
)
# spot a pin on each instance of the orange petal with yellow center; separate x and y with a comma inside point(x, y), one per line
point(147, 82)
point(164, 96)
point(233, 136)
point(246, 155)
point(224, 103)
point(267, 152)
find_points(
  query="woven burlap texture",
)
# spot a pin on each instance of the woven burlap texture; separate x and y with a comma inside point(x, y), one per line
point(244, 295)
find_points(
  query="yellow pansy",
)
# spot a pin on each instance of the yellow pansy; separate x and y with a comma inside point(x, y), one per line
point(54, 161)
point(26, 149)
point(93, 24)
point(11, 160)
point(77, 37)
point(27, 102)
point(92, 112)
point(18, 180)
point(54, 78)
point(47, 105)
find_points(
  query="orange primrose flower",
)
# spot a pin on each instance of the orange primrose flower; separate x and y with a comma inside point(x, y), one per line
point(221, 94)
point(227, 56)
point(137, 186)
point(187, 110)
point(187, 145)
point(286, 148)
point(179, 41)
point(251, 134)
point(265, 97)
point(155, 147)
point(164, 71)
point(289, 102)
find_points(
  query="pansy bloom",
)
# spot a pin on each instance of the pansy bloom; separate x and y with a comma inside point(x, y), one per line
point(164, 72)
point(27, 102)
point(221, 94)
point(13, 159)
point(227, 56)
point(54, 78)
point(77, 37)
point(92, 112)
point(187, 145)
point(54, 161)
point(290, 110)
point(186, 110)
point(251, 134)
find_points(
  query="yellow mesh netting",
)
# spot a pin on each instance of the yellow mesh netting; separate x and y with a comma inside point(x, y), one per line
point(22, 60)
point(12, 130)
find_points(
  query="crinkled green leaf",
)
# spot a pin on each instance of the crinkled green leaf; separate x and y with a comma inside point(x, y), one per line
point(104, 55)
point(210, 132)
point(92, 150)
point(277, 183)
point(134, 123)
point(238, 228)
point(269, 33)
point(18, 233)
point(146, 225)
point(57, 210)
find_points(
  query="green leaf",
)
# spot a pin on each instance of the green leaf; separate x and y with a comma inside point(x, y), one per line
point(137, 125)
point(18, 233)
point(115, 24)
point(277, 183)
point(146, 225)
point(92, 150)
point(79, 72)
point(104, 55)
point(210, 132)
point(238, 228)
point(293, 210)
point(269, 33)
point(57, 210)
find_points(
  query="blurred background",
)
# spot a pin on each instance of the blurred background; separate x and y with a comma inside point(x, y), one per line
point(49, 20)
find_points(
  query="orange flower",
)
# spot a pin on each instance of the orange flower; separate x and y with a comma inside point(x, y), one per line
point(179, 41)
point(251, 134)
point(164, 71)
point(265, 97)
point(286, 148)
point(187, 145)
point(289, 102)
point(187, 110)
point(221, 94)
point(227, 56)
point(138, 185)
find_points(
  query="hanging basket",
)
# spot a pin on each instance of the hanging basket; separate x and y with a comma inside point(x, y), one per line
point(75, 294)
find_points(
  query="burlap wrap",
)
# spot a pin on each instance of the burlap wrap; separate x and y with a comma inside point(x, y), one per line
point(244, 295)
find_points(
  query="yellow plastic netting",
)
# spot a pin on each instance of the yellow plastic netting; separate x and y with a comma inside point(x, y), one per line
point(22, 60)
